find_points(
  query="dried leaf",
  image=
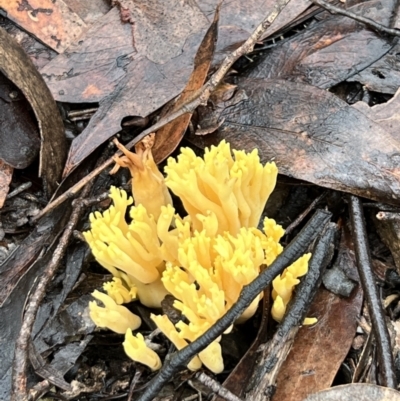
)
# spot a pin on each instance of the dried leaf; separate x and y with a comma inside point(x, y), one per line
point(50, 21)
point(142, 73)
point(356, 391)
point(330, 51)
point(6, 172)
point(154, 76)
point(19, 69)
point(169, 137)
point(312, 135)
point(387, 114)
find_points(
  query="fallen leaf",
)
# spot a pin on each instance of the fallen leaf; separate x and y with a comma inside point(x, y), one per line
point(311, 134)
point(315, 358)
point(150, 65)
point(6, 172)
point(89, 11)
point(50, 21)
point(356, 391)
point(19, 69)
point(387, 114)
point(19, 134)
point(168, 137)
point(382, 76)
point(156, 74)
point(91, 68)
point(330, 51)
point(39, 53)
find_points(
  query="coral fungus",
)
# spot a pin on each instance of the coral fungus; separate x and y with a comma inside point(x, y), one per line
point(203, 259)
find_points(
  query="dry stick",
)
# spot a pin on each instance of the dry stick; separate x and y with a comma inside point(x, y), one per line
point(216, 387)
point(374, 303)
point(200, 97)
point(302, 215)
point(19, 387)
point(369, 22)
point(262, 384)
point(293, 251)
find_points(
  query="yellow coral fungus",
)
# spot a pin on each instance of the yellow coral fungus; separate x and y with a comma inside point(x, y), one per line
point(112, 316)
point(148, 186)
point(136, 348)
point(118, 292)
point(235, 188)
point(204, 259)
point(284, 284)
point(167, 327)
point(132, 248)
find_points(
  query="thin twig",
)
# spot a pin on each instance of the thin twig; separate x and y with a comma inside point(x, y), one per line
point(200, 97)
point(369, 22)
point(19, 378)
point(216, 387)
point(262, 385)
point(302, 215)
point(292, 252)
point(374, 303)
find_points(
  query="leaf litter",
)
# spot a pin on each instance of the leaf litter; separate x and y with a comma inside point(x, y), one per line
point(131, 60)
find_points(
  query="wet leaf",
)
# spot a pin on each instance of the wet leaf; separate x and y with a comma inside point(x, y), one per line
point(157, 73)
point(311, 134)
point(387, 115)
point(330, 51)
point(382, 76)
point(137, 75)
point(169, 137)
point(356, 391)
point(91, 68)
point(6, 172)
point(50, 21)
point(319, 350)
point(18, 68)
point(19, 134)
point(39, 53)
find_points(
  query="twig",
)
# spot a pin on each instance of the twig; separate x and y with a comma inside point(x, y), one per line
point(216, 387)
point(200, 97)
point(19, 189)
point(388, 216)
point(262, 385)
point(374, 303)
point(302, 215)
point(293, 251)
point(19, 379)
point(369, 22)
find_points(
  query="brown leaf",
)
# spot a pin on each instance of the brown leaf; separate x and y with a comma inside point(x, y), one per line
point(314, 136)
point(92, 67)
point(19, 69)
point(356, 391)
point(39, 53)
point(169, 137)
point(50, 21)
point(331, 50)
point(387, 115)
point(89, 11)
point(140, 74)
point(153, 78)
point(382, 76)
point(319, 350)
point(6, 172)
